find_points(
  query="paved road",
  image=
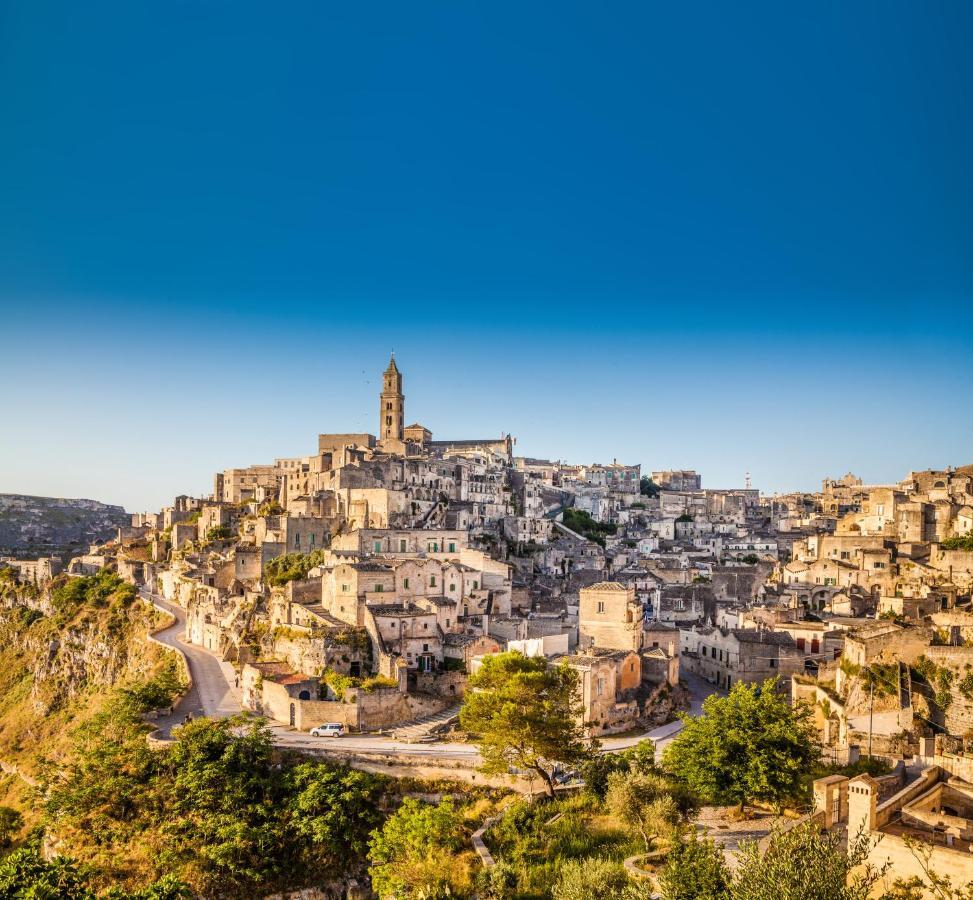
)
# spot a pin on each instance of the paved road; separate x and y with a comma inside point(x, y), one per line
point(213, 692)
point(699, 690)
point(661, 736)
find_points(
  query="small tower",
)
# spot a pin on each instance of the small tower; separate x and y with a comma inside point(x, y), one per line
point(391, 415)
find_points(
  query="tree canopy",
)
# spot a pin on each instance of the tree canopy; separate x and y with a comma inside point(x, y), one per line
point(526, 714)
point(749, 745)
point(806, 863)
point(414, 855)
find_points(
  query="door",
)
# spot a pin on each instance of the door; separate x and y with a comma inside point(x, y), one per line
point(293, 717)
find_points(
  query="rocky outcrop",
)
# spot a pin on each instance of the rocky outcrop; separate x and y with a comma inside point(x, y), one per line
point(46, 526)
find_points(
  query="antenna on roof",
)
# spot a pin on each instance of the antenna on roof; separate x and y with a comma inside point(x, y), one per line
point(747, 481)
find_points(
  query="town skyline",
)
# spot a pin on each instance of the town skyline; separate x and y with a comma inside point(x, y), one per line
point(243, 445)
point(626, 239)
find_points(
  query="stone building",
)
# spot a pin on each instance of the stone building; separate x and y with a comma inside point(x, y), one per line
point(610, 617)
point(928, 821)
point(727, 656)
point(392, 411)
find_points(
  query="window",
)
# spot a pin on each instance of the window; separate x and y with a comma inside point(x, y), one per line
point(344, 588)
point(425, 648)
point(379, 588)
point(425, 626)
point(476, 584)
point(601, 686)
point(447, 623)
point(402, 546)
point(452, 548)
point(773, 663)
point(452, 587)
point(601, 606)
point(432, 581)
point(377, 546)
point(405, 583)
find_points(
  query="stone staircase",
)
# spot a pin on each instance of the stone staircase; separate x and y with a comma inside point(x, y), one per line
point(421, 730)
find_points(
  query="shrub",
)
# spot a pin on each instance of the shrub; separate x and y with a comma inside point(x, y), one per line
point(590, 879)
point(291, 566)
point(377, 682)
point(695, 868)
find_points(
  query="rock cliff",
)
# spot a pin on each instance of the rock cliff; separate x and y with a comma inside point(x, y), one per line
point(46, 526)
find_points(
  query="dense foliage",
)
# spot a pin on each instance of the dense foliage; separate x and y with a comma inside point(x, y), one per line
point(806, 863)
point(648, 488)
point(750, 745)
point(695, 868)
point(217, 808)
point(291, 566)
point(963, 542)
point(525, 714)
point(417, 853)
point(103, 590)
point(533, 842)
point(580, 521)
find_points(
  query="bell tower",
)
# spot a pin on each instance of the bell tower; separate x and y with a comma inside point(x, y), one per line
point(391, 414)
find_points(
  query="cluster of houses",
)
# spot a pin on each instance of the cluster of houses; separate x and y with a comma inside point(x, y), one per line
point(366, 582)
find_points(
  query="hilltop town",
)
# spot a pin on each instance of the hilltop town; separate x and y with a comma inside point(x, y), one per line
point(365, 583)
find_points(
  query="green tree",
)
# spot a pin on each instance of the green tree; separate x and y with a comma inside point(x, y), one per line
point(11, 821)
point(648, 488)
point(414, 854)
point(648, 803)
point(225, 798)
point(695, 868)
point(526, 714)
point(806, 863)
point(590, 879)
point(749, 745)
point(333, 809)
point(26, 875)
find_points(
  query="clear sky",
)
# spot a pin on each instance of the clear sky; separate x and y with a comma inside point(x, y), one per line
point(726, 236)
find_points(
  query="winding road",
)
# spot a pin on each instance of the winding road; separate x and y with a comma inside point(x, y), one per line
point(214, 694)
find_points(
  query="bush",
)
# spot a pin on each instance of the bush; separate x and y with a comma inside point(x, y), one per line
point(694, 869)
point(291, 566)
point(580, 521)
point(158, 692)
point(101, 590)
point(959, 543)
point(339, 683)
point(590, 879)
point(377, 682)
point(417, 853)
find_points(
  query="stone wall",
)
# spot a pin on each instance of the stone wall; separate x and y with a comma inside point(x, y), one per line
point(386, 708)
point(311, 713)
point(450, 685)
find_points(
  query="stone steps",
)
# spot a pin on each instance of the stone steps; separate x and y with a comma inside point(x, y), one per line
point(422, 729)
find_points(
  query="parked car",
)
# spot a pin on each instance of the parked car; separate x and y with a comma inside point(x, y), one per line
point(328, 729)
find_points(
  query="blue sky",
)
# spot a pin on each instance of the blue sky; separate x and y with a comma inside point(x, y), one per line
point(719, 236)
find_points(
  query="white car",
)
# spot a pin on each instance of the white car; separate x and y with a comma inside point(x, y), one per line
point(329, 729)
